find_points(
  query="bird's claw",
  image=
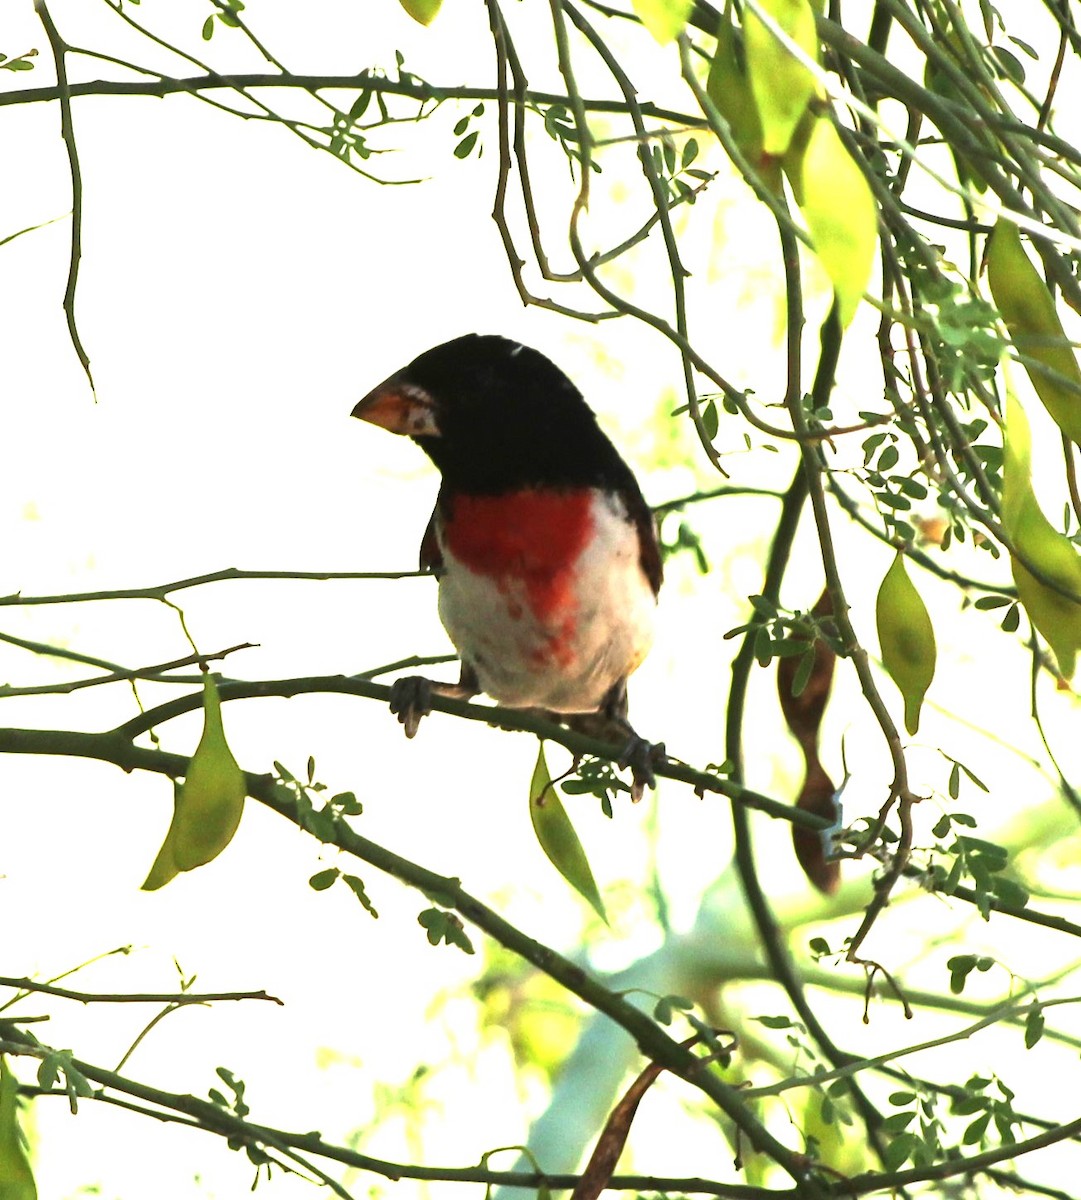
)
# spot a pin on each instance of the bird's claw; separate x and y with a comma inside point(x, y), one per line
point(411, 700)
point(640, 755)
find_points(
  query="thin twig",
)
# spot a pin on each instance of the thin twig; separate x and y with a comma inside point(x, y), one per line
point(59, 50)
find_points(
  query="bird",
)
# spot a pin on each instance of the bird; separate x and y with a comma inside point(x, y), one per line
point(545, 551)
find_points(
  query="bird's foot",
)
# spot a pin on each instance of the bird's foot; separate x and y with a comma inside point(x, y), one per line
point(640, 756)
point(410, 701)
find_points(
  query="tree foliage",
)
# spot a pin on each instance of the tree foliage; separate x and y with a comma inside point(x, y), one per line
point(916, 162)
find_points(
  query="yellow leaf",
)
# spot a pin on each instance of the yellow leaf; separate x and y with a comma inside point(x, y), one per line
point(729, 89)
point(782, 86)
point(665, 19)
point(208, 804)
point(1033, 321)
point(906, 638)
point(839, 207)
point(1041, 546)
point(16, 1178)
point(557, 838)
point(421, 10)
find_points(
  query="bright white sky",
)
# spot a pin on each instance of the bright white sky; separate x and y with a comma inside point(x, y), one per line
point(238, 294)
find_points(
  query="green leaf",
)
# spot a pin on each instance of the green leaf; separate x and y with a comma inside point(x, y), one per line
point(423, 11)
point(16, 1178)
point(842, 217)
point(782, 86)
point(1010, 892)
point(207, 806)
point(898, 1150)
point(321, 880)
point(465, 145)
point(665, 19)
point(557, 838)
point(445, 927)
point(1034, 1024)
point(667, 1006)
point(975, 1131)
point(960, 967)
point(347, 804)
point(208, 29)
point(356, 886)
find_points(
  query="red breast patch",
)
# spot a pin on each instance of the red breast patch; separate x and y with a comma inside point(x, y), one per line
point(531, 536)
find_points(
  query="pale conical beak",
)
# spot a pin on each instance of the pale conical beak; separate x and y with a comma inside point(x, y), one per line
point(400, 407)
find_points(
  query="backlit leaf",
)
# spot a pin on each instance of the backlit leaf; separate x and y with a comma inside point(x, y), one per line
point(839, 207)
point(782, 86)
point(423, 11)
point(665, 19)
point(557, 838)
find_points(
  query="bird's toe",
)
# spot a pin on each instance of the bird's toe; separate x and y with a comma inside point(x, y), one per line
point(640, 756)
point(410, 701)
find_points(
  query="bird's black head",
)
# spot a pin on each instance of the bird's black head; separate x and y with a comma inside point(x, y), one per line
point(494, 415)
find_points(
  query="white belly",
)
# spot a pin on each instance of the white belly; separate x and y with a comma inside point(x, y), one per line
point(565, 660)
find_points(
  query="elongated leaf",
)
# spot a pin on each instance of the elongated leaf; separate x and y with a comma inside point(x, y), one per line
point(730, 90)
point(1033, 321)
point(207, 806)
point(1056, 616)
point(16, 1178)
point(665, 19)
point(906, 638)
point(557, 837)
point(781, 84)
point(839, 207)
point(423, 11)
